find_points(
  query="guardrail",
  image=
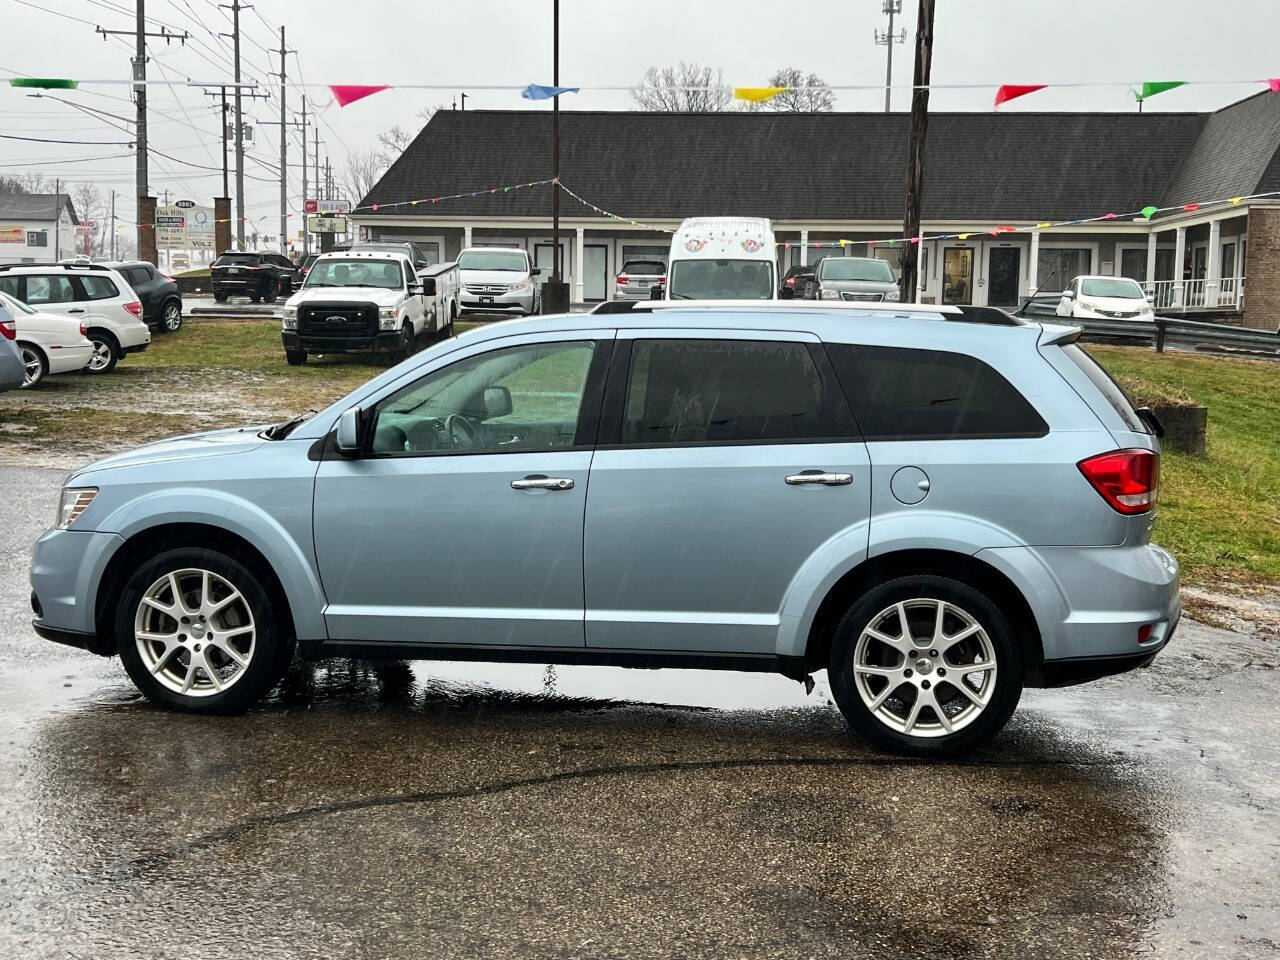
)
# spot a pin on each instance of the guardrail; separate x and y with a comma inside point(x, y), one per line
point(1170, 330)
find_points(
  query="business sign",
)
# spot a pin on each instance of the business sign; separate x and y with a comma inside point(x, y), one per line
point(185, 226)
point(13, 233)
point(327, 224)
point(326, 206)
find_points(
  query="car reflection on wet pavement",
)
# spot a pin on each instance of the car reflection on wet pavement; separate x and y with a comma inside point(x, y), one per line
point(432, 810)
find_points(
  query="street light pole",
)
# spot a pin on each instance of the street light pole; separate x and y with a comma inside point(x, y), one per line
point(555, 142)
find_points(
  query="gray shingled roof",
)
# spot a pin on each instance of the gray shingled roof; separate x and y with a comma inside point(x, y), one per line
point(840, 166)
point(35, 206)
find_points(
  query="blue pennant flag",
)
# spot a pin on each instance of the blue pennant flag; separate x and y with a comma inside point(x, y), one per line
point(536, 91)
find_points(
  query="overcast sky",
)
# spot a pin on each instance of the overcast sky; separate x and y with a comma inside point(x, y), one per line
point(505, 41)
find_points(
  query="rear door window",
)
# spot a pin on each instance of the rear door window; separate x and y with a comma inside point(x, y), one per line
point(10, 285)
point(906, 394)
point(238, 260)
point(730, 391)
point(50, 289)
point(98, 288)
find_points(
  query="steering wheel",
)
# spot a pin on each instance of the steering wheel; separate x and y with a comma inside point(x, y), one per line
point(460, 430)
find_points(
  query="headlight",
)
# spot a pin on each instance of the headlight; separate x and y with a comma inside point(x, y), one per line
point(520, 285)
point(893, 295)
point(73, 503)
point(827, 294)
point(389, 318)
point(289, 318)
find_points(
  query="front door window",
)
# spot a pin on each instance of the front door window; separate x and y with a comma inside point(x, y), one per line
point(957, 275)
point(1003, 267)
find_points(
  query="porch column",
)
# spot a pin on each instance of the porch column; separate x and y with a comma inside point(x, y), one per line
point(1213, 282)
point(466, 236)
point(577, 266)
point(1151, 261)
point(1179, 258)
point(804, 248)
point(1033, 264)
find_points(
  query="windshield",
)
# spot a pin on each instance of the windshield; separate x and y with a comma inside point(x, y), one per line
point(13, 303)
point(721, 280)
point(237, 260)
point(493, 260)
point(355, 273)
point(1111, 287)
point(855, 268)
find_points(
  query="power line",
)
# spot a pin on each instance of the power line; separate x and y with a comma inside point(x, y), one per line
point(86, 143)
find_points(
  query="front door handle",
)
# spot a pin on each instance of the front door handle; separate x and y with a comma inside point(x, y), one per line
point(75, 310)
point(539, 482)
point(819, 477)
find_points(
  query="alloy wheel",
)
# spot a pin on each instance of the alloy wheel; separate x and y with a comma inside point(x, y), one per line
point(172, 317)
point(32, 366)
point(925, 667)
point(101, 357)
point(195, 632)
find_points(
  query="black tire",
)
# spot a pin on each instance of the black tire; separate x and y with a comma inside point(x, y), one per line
point(404, 349)
point(271, 292)
point(170, 317)
point(295, 358)
point(978, 729)
point(272, 645)
point(35, 365)
point(219, 297)
point(255, 297)
point(106, 352)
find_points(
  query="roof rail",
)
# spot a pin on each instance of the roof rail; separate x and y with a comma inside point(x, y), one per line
point(853, 306)
point(83, 265)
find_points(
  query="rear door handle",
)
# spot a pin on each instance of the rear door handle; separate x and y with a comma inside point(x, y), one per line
point(539, 482)
point(75, 310)
point(819, 477)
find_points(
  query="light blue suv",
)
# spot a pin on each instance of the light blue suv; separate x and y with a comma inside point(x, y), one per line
point(936, 510)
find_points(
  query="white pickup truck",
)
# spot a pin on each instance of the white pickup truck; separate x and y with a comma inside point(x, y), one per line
point(366, 302)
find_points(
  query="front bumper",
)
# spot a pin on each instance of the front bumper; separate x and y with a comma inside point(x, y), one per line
point(1118, 605)
point(66, 568)
point(383, 340)
point(522, 302)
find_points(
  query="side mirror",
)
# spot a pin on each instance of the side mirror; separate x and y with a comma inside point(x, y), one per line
point(415, 288)
point(347, 439)
point(497, 402)
point(1068, 295)
point(655, 292)
point(535, 272)
point(428, 285)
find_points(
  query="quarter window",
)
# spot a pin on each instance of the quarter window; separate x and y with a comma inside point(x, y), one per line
point(729, 391)
point(522, 398)
point(903, 394)
point(98, 288)
point(42, 289)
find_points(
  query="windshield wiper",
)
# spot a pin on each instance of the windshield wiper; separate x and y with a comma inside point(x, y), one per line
point(281, 430)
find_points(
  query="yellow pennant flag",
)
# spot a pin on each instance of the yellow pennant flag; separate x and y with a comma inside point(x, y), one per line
point(757, 94)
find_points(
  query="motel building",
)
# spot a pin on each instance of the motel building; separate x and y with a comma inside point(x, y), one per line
point(1213, 250)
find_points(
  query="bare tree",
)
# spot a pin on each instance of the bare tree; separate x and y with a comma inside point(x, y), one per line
point(808, 94)
point(685, 88)
point(396, 140)
point(25, 183)
point(89, 206)
point(364, 169)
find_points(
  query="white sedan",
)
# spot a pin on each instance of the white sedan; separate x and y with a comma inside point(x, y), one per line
point(1105, 298)
point(47, 343)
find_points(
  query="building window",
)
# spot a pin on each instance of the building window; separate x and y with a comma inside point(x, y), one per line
point(1058, 266)
point(37, 238)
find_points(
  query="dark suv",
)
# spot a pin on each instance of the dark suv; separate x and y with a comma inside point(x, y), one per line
point(161, 300)
point(259, 276)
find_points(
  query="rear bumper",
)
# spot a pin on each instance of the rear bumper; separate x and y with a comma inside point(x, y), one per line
point(1099, 610)
point(238, 285)
point(373, 343)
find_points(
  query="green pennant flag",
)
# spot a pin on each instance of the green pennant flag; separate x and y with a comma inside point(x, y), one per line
point(44, 83)
point(1151, 88)
point(1150, 210)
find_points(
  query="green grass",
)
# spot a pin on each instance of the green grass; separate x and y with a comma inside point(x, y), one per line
point(1219, 514)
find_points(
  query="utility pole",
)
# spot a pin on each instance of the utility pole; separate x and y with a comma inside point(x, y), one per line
point(113, 224)
point(236, 7)
point(225, 215)
point(887, 39)
point(909, 291)
point(306, 235)
point(316, 159)
point(284, 155)
point(146, 212)
point(555, 141)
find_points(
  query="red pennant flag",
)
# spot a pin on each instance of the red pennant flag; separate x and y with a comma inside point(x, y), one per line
point(1011, 91)
point(1274, 84)
point(1190, 207)
point(1110, 216)
point(346, 93)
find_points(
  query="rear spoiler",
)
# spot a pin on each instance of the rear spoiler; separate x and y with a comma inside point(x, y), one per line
point(1055, 333)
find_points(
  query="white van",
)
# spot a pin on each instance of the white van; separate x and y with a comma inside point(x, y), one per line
point(723, 258)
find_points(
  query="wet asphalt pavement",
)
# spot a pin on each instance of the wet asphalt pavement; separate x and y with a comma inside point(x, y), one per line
point(469, 810)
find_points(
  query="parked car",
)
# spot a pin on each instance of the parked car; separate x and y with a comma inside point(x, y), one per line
point(416, 254)
point(161, 301)
point(794, 280)
point(92, 293)
point(47, 343)
point(360, 302)
point(853, 278)
point(637, 278)
point(305, 266)
point(258, 276)
point(499, 280)
point(179, 261)
point(937, 512)
point(722, 258)
point(12, 371)
point(1105, 298)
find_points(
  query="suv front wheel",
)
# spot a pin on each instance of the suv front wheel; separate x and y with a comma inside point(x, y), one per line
point(926, 665)
point(196, 631)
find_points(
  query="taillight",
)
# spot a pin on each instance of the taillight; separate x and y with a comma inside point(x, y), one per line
point(135, 308)
point(790, 282)
point(84, 331)
point(623, 279)
point(1127, 479)
point(661, 280)
point(8, 329)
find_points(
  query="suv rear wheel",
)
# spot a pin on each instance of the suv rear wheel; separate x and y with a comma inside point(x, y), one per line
point(271, 291)
point(196, 631)
point(106, 351)
point(926, 665)
point(171, 317)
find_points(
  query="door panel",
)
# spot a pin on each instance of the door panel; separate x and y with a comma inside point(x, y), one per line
point(1003, 269)
point(595, 280)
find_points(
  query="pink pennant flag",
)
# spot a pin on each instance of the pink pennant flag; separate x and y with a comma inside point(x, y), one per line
point(1011, 91)
point(1274, 84)
point(346, 93)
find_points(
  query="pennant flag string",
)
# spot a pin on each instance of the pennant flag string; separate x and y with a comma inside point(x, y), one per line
point(346, 93)
point(757, 94)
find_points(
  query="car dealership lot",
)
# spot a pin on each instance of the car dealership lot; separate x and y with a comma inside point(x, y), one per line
point(459, 810)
